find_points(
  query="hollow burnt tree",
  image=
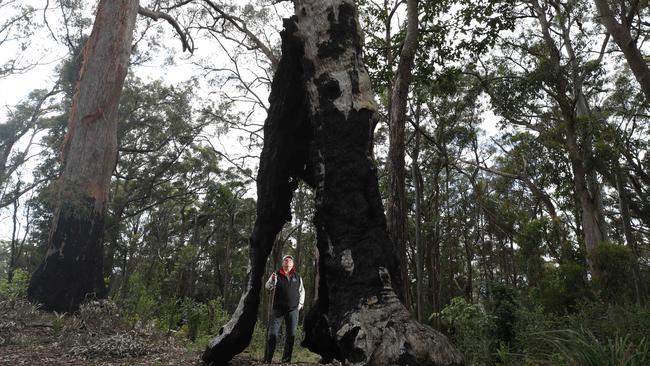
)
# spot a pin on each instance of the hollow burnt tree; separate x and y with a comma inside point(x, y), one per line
point(367, 321)
point(72, 268)
point(321, 117)
point(287, 135)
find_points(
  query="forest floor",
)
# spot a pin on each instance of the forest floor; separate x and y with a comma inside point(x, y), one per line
point(96, 336)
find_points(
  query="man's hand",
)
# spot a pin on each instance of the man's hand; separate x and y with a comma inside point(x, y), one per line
point(272, 281)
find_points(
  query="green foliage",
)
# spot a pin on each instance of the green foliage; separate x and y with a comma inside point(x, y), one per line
point(201, 319)
point(531, 237)
point(561, 288)
point(502, 309)
point(179, 219)
point(58, 321)
point(609, 320)
point(471, 329)
point(614, 281)
point(609, 333)
point(17, 288)
point(572, 347)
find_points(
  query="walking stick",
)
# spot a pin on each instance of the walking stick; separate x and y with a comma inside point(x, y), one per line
point(268, 320)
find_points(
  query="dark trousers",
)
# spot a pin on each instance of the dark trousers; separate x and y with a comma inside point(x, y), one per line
point(290, 324)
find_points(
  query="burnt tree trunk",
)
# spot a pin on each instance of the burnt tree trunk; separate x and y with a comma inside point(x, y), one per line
point(319, 128)
point(367, 322)
point(72, 268)
point(287, 135)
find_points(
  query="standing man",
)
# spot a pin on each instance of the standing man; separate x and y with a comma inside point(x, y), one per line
point(288, 299)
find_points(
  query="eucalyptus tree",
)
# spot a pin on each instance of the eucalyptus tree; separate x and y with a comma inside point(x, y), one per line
point(72, 268)
point(396, 215)
point(447, 131)
point(158, 127)
point(18, 147)
point(619, 147)
point(431, 35)
point(625, 23)
point(561, 105)
point(246, 42)
point(25, 122)
point(74, 247)
point(17, 25)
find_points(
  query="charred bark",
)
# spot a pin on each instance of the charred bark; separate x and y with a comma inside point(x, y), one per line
point(322, 115)
point(287, 135)
point(368, 323)
point(72, 268)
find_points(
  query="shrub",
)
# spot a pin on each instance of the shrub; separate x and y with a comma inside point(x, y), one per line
point(572, 347)
point(502, 309)
point(471, 330)
point(15, 314)
point(613, 263)
point(119, 345)
point(562, 288)
point(17, 288)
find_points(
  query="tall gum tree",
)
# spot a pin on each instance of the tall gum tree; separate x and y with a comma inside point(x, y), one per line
point(319, 128)
point(72, 268)
point(396, 170)
point(572, 107)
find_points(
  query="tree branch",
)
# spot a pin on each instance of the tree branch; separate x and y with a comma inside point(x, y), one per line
point(155, 15)
point(241, 26)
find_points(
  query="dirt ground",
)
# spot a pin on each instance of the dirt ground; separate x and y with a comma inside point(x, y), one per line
point(96, 336)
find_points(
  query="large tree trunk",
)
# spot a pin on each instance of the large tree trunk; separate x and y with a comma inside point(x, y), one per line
point(593, 225)
point(367, 322)
point(396, 172)
point(358, 318)
point(621, 34)
point(72, 268)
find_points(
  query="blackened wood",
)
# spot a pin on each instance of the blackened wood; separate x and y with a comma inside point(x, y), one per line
point(369, 324)
point(358, 318)
point(287, 135)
